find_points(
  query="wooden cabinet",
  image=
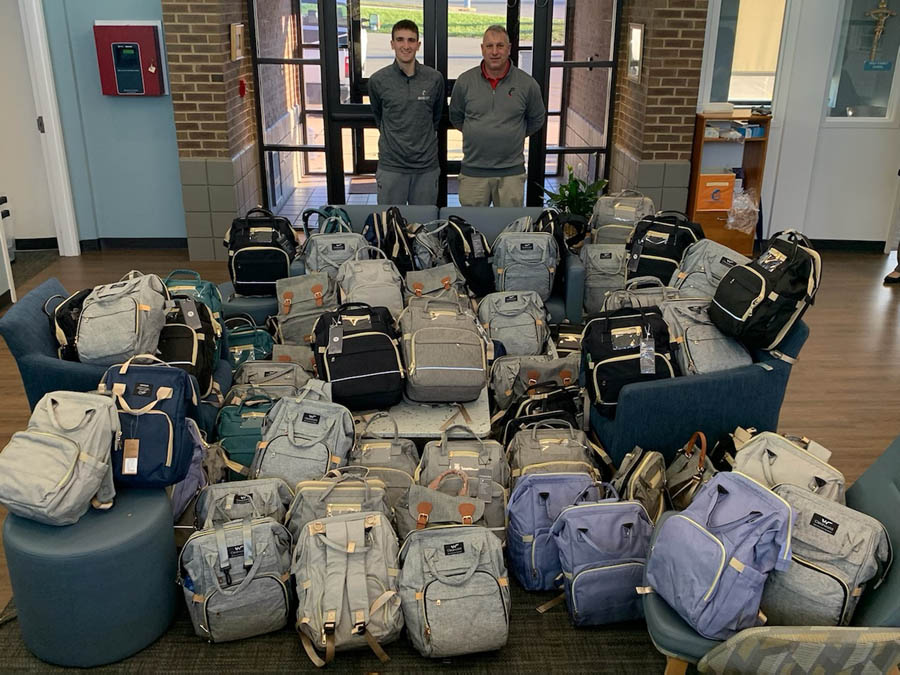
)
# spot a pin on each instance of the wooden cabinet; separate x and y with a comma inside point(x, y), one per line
point(710, 156)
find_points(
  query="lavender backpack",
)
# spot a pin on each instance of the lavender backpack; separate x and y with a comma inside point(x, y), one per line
point(710, 562)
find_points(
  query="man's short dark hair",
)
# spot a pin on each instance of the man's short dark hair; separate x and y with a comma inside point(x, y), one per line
point(405, 24)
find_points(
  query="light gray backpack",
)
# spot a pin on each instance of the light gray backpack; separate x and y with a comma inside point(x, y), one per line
point(234, 578)
point(836, 554)
point(346, 570)
point(326, 252)
point(525, 261)
point(604, 271)
point(772, 459)
point(511, 376)
point(429, 244)
point(276, 379)
point(445, 351)
point(122, 319)
point(376, 282)
point(303, 439)
point(550, 446)
point(302, 355)
point(612, 233)
point(482, 460)
point(59, 467)
point(698, 346)
point(518, 320)
point(221, 503)
point(393, 460)
point(333, 495)
point(702, 267)
point(302, 300)
point(454, 590)
point(640, 292)
point(437, 504)
point(435, 282)
point(625, 206)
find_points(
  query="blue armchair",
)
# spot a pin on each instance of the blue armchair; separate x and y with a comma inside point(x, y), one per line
point(27, 333)
point(876, 493)
point(662, 414)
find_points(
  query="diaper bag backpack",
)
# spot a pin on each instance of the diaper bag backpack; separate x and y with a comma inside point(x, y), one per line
point(391, 459)
point(301, 301)
point(697, 345)
point(389, 231)
point(642, 477)
point(239, 429)
point(436, 282)
point(658, 244)
point(261, 247)
point(64, 321)
point(122, 319)
point(189, 283)
point(59, 467)
point(626, 207)
point(332, 495)
point(325, 250)
point(246, 341)
point(536, 501)
point(375, 282)
point(641, 292)
point(759, 302)
point(517, 320)
point(471, 253)
point(221, 503)
point(550, 446)
point(525, 261)
point(511, 376)
point(345, 569)
point(190, 340)
point(454, 591)
point(703, 266)
point(604, 272)
point(710, 561)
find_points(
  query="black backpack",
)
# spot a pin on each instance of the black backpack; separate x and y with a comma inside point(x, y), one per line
point(611, 353)
point(261, 247)
point(190, 340)
point(757, 303)
point(658, 244)
point(471, 253)
point(64, 322)
point(541, 402)
point(569, 229)
point(389, 231)
point(357, 349)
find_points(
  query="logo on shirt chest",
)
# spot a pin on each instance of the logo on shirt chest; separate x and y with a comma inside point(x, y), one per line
point(424, 96)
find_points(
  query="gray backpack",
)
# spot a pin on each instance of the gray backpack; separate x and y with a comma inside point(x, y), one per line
point(604, 271)
point(393, 460)
point(234, 578)
point(346, 570)
point(274, 378)
point(482, 460)
point(641, 292)
point(544, 447)
point(454, 590)
point(525, 261)
point(375, 282)
point(303, 439)
point(699, 347)
point(612, 233)
point(326, 252)
point(702, 267)
point(836, 554)
point(445, 351)
point(302, 355)
point(122, 319)
point(333, 495)
point(772, 459)
point(436, 282)
point(437, 504)
point(302, 300)
point(221, 503)
point(511, 376)
point(517, 320)
point(56, 469)
point(625, 206)
point(642, 477)
point(429, 244)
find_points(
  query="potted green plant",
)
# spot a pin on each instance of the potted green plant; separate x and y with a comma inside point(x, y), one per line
point(575, 195)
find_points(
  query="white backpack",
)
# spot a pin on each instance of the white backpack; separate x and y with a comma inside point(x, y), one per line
point(376, 282)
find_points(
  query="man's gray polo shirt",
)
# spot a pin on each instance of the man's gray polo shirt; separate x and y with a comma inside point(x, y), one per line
point(407, 112)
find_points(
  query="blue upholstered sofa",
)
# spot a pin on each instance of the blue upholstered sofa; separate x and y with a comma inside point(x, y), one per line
point(26, 330)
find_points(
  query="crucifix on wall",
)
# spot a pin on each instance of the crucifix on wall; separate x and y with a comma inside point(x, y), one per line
point(880, 15)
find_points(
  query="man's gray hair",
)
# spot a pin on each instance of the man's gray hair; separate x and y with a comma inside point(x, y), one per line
point(497, 28)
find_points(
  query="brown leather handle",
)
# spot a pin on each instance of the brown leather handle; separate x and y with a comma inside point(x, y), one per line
point(689, 448)
point(463, 491)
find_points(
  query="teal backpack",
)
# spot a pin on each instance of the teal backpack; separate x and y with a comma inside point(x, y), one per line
point(246, 341)
point(239, 430)
point(326, 216)
point(188, 282)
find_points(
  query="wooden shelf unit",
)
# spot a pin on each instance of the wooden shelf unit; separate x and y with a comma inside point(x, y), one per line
point(753, 161)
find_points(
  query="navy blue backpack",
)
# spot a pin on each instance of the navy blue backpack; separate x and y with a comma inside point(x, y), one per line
point(153, 399)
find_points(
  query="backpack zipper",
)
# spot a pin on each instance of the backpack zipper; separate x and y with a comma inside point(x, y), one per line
point(625, 358)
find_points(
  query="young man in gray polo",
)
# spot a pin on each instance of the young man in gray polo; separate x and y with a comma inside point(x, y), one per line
point(407, 99)
point(495, 106)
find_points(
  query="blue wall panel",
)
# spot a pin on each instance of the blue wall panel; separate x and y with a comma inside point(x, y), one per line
point(121, 150)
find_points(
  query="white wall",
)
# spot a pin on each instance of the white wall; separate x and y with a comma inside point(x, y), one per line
point(22, 176)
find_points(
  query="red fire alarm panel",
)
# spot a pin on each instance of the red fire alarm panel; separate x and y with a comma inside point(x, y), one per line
point(130, 58)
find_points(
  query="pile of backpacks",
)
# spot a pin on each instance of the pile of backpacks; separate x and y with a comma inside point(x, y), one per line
point(296, 504)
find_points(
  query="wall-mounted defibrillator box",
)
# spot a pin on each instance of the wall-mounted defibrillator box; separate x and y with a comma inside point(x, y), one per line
point(131, 58)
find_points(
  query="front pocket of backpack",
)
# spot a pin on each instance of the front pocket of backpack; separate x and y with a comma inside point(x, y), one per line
point(369, 363)
point(262, 265)
point(739, 294)
point(708, 350)
point(804, 595)
point(527, 277)
point(178, 346)
point(465, 619)
point(260, 607)
point(39, 465)
point(292, 462)
point(605, 593)
point(154, 433)
point(108, 330)
point(519, 337)
point(447, 357)
point(736, 604)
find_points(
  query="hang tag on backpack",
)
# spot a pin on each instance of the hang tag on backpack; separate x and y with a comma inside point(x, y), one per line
point(477, 247)
point(335, 339)
point(190, 314)
point(485, 493)
point(634, 257)
point(648, 356)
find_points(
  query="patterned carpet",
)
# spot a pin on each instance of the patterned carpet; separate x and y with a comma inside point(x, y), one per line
point(538, 643)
